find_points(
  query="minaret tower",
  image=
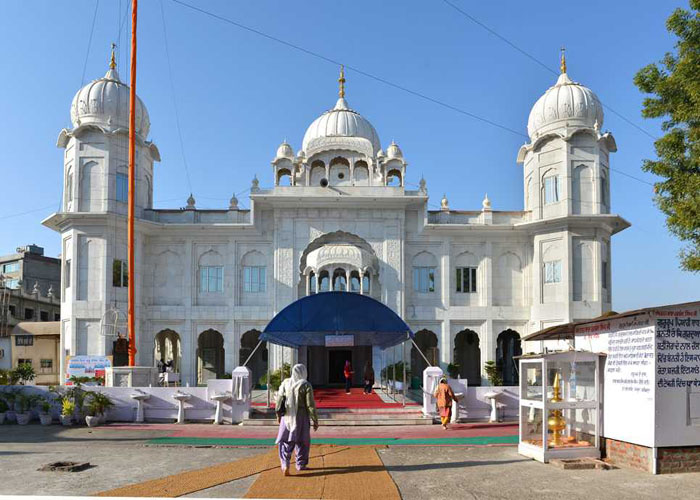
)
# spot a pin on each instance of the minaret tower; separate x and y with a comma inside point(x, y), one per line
point(566, 183)
point(92, 219)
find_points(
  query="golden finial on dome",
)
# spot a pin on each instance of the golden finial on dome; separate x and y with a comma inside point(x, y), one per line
point(562, 64)
point(341, 81)
point(112, 61)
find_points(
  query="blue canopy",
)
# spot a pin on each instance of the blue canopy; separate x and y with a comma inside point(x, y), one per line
point(310, 319)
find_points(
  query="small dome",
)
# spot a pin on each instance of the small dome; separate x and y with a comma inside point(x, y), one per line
point(105, 103)
point(285, 151)
point(394, 152)
point(339, 123)
point(566, 104)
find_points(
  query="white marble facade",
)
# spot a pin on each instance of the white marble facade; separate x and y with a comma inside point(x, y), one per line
point(339, 215)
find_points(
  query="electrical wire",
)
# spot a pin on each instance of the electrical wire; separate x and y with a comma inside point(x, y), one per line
point(172, 94)
point(349, 67)
point(87, 53)
point(400, 87)
point(537, 61)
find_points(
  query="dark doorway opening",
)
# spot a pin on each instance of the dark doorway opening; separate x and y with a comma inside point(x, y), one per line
point(336, 363)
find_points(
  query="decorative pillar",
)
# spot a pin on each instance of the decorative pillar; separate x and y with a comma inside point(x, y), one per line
point(347, 280)
point(307, 279)
point(362, 282)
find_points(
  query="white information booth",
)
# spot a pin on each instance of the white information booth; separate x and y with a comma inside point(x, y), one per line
point(560, 405)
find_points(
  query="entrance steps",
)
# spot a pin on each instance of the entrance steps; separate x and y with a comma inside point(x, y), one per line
point(410, 415)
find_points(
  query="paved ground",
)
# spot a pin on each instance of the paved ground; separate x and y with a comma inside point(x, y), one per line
point(121, 455)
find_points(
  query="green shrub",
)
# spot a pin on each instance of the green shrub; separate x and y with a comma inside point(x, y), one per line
point(395, 372)
point(453, 370)
point(24, 373)
point(493, 373)
point(277, 376)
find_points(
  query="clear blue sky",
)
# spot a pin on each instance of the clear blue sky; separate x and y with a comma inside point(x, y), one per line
point(239, 95)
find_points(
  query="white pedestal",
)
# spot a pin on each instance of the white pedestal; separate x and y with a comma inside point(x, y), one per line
point(131, 376)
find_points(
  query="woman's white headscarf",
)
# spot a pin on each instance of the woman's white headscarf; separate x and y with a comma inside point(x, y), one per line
point(290, 388)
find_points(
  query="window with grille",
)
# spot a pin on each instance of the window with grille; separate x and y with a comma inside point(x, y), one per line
point(24, 340)
point(466, 280)
point(46, 364)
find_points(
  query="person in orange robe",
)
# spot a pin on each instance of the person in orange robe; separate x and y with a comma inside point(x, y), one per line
point(444, 395)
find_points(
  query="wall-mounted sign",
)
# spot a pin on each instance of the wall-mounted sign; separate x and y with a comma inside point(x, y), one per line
point(340, 340)
point(86, 366)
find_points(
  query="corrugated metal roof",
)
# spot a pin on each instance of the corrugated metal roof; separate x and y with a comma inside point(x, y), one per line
point(568, 330)
point(37, 328)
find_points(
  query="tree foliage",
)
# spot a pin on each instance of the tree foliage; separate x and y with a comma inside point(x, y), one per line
point(674, 85)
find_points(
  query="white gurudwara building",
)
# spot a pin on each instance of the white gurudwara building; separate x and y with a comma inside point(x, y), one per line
point(469, 283)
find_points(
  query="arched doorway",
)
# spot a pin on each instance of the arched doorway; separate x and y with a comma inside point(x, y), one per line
point(167, 348)
point(210, 356)
point(258, 363)
point(467, 355)
point(427, 342)
point(507, 347)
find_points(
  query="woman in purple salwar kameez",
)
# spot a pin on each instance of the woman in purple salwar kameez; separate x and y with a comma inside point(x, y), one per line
point(299, 412)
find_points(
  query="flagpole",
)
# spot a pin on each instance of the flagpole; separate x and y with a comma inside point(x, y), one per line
point(132, 191)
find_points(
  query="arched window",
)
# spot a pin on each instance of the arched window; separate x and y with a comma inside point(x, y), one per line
point(467, 355)
point(167, 349)
point(361, 172)
point(604, 194)
point(210, 356)
point(427, 342)
point(393, 178)
point(339, 280)
point(366, 284)
point(284, 177)
point(211, 272)
point(582, 186)
point(507, 347)
point(324, 282)
point(340, 172)
point(355, 281)
point(424, 268)
point(318, 172)
point(312, 282)
point(550, 187)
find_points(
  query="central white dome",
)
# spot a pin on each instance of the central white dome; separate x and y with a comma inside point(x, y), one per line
point(340, 123)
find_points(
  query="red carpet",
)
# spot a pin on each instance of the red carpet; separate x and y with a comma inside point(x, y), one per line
point(336, 398)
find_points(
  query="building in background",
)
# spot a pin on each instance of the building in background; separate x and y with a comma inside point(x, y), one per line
point(30, 288)
point(38, 344)
point(339, 216)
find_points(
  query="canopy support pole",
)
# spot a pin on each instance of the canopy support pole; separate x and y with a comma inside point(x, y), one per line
point(384, 370)
point(403, 357)
point(252, 353)
point(420, 352)
point(268, 374)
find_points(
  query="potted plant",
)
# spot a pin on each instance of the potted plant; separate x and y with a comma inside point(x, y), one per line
point(96, 408)
point(493, 373)
point(23, 403)
point(10, 396)
point(25, 373)
point(3, 410)
point(67, 409)
point(45, 411)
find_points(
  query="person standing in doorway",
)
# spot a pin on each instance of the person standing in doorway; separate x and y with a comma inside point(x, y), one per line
point(296, 410)
point(369, 377)
point(347, 371)
point(444, 395)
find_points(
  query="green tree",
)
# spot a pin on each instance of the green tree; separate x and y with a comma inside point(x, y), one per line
point(674, 84)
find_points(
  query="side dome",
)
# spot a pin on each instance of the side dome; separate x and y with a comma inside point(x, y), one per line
point(105, 104)
point(566, 104)
point(341, 128)
point(285, 151)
